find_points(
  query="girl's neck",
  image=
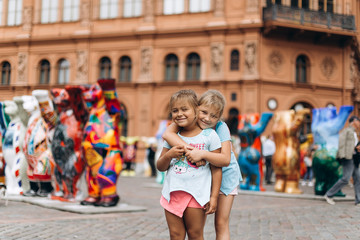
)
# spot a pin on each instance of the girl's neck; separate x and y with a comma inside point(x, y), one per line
point(191, 130)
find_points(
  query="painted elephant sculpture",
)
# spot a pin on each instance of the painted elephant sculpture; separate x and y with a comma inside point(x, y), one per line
point(286, 161)
point(326, 124)
point(101, 144)
point(67, 139)
point(250, 129)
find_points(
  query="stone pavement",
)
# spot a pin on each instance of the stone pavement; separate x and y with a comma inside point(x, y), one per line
point(266, 215)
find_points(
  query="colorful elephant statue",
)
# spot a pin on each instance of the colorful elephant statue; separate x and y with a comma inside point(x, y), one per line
point(37, 150)
point(67, 139)
point(249, 131)
point(101, 143)
point(326, 124)
point(286, 162)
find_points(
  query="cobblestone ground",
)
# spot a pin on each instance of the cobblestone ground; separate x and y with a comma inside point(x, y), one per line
point(253, 217)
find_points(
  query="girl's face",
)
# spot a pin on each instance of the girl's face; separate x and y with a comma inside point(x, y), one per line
point(183, 114)
point(208, 117)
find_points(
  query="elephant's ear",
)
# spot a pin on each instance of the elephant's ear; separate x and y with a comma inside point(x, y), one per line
point(77, 103)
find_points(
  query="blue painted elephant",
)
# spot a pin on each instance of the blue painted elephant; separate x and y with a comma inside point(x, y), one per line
point(326, 124)
point(250, 153)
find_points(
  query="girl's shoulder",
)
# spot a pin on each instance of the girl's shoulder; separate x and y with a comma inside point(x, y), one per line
point(208, 131)
point(221, 125)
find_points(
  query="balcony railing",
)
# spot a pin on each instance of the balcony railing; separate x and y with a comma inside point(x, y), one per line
point(305, 16)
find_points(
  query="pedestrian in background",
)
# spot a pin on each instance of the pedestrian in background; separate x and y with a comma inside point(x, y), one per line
point(151, 150)
point(347, 141)
point(268, 150)
point(308, 159)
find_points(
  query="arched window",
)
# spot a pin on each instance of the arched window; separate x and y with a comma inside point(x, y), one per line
point(234, 60)
point(14, 12)
point(63, 71)
point(44, 72)
point(193, 67)
point(171, 67)
point(306, 125)
point(71, 10)
point(125, 69)
point(132, 8)
point(5, 73)
point(108, 9)
point(302, 69)
point(124, 120)
point(105, 67)
point(49, 9)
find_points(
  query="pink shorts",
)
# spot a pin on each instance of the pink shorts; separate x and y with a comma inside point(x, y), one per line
point(179, 201)
point(234, 192)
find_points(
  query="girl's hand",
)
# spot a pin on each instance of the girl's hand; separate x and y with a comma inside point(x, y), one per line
point(176, 151)
point(194, 155)
point(201, 163)
point(211, 206)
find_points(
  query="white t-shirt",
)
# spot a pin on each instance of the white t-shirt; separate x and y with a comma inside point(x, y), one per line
point(185, 176)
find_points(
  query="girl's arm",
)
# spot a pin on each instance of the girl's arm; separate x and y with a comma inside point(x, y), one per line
point(171, 137)
point(163, 163)
point(221, 159)
point(216, 173)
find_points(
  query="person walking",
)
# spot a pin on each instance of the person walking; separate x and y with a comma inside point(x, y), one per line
point(268, 151)
point(347, 141)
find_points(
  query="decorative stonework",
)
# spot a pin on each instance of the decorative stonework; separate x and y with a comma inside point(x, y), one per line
point(148, 11)
point(219, 8)
point(275, 61)
point(328, 66)
point(82, 66)
point(85, 14)
point(250, 58)
point(354, 76)
point(27, 19)
point(217, 50)
point(252, 6)
point(22, 63)
point(145, 70)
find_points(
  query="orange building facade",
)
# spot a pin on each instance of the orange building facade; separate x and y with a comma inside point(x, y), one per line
point(262, 55)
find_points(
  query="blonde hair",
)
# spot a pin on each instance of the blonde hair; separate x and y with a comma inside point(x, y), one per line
point(184, 95)
point(213, 98)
